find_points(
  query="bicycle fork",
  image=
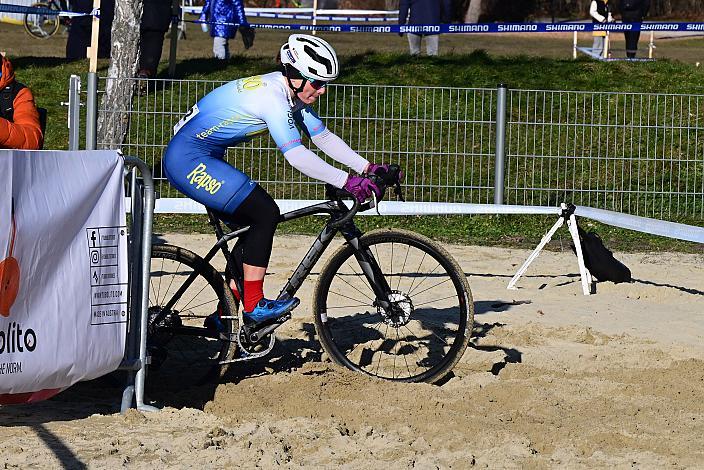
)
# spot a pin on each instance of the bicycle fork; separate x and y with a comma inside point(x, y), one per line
point(373, 273)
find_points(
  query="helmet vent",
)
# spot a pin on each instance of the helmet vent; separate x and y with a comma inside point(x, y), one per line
point(318, 58)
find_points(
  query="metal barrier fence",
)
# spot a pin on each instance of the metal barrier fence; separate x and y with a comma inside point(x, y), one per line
point(140, 251)
point(635, 153)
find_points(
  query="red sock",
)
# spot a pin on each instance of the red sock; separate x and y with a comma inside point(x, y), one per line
point(235, 293)
point(253, 293)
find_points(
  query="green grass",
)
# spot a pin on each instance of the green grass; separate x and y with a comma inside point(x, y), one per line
point(479, 69)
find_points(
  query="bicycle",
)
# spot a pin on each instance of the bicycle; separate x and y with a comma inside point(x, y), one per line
point(389, 303)
point(43, 25)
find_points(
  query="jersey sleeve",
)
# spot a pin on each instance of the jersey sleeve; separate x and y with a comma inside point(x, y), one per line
point(282, 126)
point(309, 122)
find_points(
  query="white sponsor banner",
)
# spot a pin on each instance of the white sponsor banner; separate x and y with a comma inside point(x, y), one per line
point(63, 269)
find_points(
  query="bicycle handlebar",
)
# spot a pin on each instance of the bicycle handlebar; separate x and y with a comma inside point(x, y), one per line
point(349, 215)
point(391, 178)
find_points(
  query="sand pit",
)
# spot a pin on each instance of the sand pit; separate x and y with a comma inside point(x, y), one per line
point(552, 378)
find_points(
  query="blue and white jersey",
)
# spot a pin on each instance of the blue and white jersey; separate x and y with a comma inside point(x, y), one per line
point(229, 115)
point(242, 109)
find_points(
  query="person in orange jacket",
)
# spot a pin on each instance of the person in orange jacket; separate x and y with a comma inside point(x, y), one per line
point(19, 119)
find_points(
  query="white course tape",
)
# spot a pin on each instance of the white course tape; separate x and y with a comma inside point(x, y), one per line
point(616, 219)
point(643, 224)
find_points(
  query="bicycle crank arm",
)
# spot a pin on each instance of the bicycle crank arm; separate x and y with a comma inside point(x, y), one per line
point(250, 356)
point(257, 335)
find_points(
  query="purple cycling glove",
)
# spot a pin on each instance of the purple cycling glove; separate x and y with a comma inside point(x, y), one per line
point(361, 187)
point(380, 170)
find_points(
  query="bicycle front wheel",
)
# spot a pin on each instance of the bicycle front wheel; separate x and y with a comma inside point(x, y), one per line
point(425, 331)
point(41, 26)
point(186, 342)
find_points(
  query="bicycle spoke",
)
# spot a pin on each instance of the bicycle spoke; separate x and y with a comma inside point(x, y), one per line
point(431, 332)
point(359, 344)
point(431, 287)
point(348, 306)
point(432, 322)
point(151, 292)
point(194, 297)
point(353, 287)
point(346, 297)
point(158, 290)
point(403, 268)
point(204, 303)
point(417, 270)
point(419, 360)
point(437, 300)
point(393, 372)
point(378, 363)
point(350, 328)
point(359, 275)
point(405, 359)
point(173, 277)
point(410, 292)
point(392, 258)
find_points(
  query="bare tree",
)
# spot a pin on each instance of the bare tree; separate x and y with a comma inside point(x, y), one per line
point(124, 58)
point(474, 10)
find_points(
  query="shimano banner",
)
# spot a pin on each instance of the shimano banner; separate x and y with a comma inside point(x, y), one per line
point(63, 270)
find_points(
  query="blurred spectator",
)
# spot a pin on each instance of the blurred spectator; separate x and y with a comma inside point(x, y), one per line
point(223, 16)
point(600, 13)
point(79, 33)
point(156, 18)
point(633, 11)
point(414, 12)
point(20, 126)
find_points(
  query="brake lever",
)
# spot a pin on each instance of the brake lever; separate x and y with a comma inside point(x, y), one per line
point(397, 191)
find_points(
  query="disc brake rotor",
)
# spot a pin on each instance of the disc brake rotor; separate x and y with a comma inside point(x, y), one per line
point(399, 313)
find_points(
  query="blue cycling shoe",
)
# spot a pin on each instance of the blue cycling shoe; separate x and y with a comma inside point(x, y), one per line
point(267, 310)
point(214, 322)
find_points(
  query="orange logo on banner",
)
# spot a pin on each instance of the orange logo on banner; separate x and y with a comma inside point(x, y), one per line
point(9, 274)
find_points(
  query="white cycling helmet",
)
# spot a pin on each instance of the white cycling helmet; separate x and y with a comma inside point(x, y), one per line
point(312, 57)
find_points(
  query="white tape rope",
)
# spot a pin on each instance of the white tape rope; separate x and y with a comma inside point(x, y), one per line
point(643, 224)
point(616, 219)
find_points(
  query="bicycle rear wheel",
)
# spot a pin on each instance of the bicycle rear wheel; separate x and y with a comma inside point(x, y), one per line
point(183, 344)
point(425, 332)
point(41, 26)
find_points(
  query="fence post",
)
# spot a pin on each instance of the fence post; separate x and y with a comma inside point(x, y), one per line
point(173, 45)
point(74, 112)
point(315, 15)
point(92, 112)
point(499, 169)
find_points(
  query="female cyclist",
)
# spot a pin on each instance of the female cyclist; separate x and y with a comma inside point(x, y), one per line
point(278, 102)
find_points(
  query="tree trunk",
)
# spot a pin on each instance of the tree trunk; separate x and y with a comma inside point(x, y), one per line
point(473, 11)
point(124, 58)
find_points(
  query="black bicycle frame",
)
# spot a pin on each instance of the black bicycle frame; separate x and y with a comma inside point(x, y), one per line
point(352, 235)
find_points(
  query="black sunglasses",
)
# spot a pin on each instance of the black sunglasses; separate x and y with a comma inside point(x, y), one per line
point(317, 84)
